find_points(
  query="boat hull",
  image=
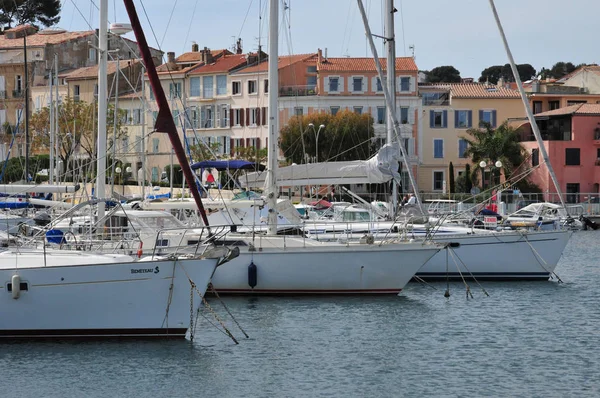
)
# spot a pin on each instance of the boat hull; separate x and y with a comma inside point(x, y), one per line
point(533, 256)
point(116, 300)
point(352, 269)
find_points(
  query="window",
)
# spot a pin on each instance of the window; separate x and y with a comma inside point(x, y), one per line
point(311, 82)
point(463, 119)
point(125, 145)
point(572, 156)
point(92, 54)
point(357, 83)
point(405, 84)
point(462, 148)
point(487, 116)
point(438, 148)
point(138, 144)
point(236, 88)
point(334, 84)
point(537, 106)
point(251, 86)
point(207, 86)
point(358, 110)
point(438, 180)
point(436, 99)
point(155, 143)
point(253, 120)
point(572, 192)
point(222, 85)
point(223, 117)
point(195, 87)
point(381, 115)
point(298, 111)
point(569, 103)
point(23, 286)
point(174, 113)
point(535, 157)
point(174, 90)
point(404, 115)
point(207, 115)
point(237, 117)
point(379, 86)
point(438, 119)
point(155, 174)
point(18, 83)
point(554, 105)
point(76, 91)
point(311, 69)
point(334, 110)
point(137, 116)
point(95, 90)
point(266, 86)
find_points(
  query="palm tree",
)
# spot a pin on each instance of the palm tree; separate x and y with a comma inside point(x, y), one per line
point(501, 144)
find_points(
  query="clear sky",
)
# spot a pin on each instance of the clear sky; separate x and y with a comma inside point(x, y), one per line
point(461, 33)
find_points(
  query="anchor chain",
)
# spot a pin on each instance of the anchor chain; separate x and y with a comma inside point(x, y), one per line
point(214, 291)
point(214, 314)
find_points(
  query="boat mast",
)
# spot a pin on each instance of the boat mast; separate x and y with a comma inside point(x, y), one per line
point(534, 126)
point(388, 100)
point(390, 42)
point(26, 96)
point(51, 169)
point(164, 120)
point(56, 116)
point(272, 152)
point(102, 93)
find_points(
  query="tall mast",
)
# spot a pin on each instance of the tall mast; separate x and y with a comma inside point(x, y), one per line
point(56, 116)
point(534, 126)
point(391, 83)
point(26, 96)
point(143, 146)
point(164, 120)
point(272, 153)
point(102, 93)
point(51, 170)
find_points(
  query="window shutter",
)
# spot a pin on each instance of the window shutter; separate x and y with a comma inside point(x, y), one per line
point(258, 117)
point(445, 119)
point(248, 142)
point(241, 143)
point(431, 119)
point(231, 146)
point(264, 115)
point(455, 119)
point(411, 115)
point(230, 117)
point(412, 84)
point(257, 143)
point(494, 119)
point(326, 84)
point(364, 84)
point(480, 118)
point(248, 116)
point(267, 143)
point(341, 85)
point(242, 119)
point(470, 119)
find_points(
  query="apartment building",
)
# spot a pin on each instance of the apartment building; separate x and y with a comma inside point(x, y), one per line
point(448, 111)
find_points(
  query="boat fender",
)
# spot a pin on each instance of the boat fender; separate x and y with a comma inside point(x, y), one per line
point(16, 286)
point(252, 275)
point(139, 252)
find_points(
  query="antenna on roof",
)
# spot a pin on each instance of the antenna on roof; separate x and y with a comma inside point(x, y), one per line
point(412, 49)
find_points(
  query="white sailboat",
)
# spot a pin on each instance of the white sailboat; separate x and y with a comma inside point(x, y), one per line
point(48, 293)
point(271, 264)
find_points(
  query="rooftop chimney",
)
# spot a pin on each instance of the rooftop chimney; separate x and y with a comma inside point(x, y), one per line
point(319, 55)
point(238, 46)
point(195, 47)
point(207, 56)
point(171, 57)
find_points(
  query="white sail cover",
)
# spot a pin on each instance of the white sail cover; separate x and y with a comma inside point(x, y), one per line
point(379, 169)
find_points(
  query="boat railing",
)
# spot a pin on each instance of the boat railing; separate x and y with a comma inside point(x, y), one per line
point(172, 241)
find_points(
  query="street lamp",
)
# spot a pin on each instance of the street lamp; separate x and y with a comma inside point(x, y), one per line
point(316, 139)
point(483, 164)
point(123, 176)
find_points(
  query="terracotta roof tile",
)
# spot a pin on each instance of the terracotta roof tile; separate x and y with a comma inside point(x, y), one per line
point(37, 39)
point(225, 63)
point(577, 109)
point(92, 71)
point(474, 90)
point(196, 56)
point(284, 60)
point(591, 68)
point(364, 64)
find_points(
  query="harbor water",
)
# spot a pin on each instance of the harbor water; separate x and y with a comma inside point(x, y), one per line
point(533, 339)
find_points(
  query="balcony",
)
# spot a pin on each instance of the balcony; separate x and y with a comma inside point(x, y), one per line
point(18, 94)
point(297, 91)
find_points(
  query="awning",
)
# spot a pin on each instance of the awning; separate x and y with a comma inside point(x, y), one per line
point(221, 165)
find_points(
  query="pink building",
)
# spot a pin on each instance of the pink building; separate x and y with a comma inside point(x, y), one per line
point(572, 139)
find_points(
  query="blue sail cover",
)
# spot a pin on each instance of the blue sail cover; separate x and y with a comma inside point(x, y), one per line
point(221, 165)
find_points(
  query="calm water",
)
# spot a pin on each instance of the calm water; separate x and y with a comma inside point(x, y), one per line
point(526, 339)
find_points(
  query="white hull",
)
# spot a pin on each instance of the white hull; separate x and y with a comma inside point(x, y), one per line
point(513, 255)
point(322, 268)
point(123, 299)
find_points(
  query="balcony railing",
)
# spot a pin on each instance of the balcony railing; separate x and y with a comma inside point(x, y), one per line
point(435, 102)
point(299, 91)
point(18, 93)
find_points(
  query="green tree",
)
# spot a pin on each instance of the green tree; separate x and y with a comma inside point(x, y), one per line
point(451, 185)
point(491, 145)
point(346, 136)
point(493, 73)
point(444, 74)
point(468, 181)
point(34, 12)
point(561, 69)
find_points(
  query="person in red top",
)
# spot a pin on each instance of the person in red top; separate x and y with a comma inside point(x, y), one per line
point(210, 179)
